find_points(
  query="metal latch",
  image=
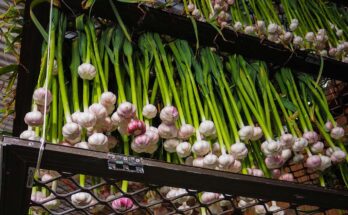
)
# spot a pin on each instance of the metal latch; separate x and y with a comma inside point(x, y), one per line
point(125, 163)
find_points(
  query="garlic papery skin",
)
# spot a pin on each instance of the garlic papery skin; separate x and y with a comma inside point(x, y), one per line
point(225, 160)
point(86, 119)
point(236, 167)
point(28, 135)
point(171, 144)
point(122, 204)
point(208, 197)
point(98, 110)
point(33, 118)
point(286, 154)
point(108, 99)
point(183, 149)
point(198, 162)
point(81, 199)
point(317, 147)
point(207, 128)
point(86, 71)
point(126, 110)
point(311, 136)
point(286, 177)
point(201, 147)
point(140, 143)
point(186, 131)
point(98, 141)
point(239, 150)
point(271, 147)
point(71, 130)
point(313, 162)
point(274, 162)
point(337, 133)
point(167, 131)
point(257, 133)
point(169, 115)
point(299, 145)
point(75, 116)
point(325, 162)
point(338, 156)
point(149, 111)
point(82, 145)
point(136, 127)
point(210, 161)
point(39, 96)
point(246, 133)
point(286, 141)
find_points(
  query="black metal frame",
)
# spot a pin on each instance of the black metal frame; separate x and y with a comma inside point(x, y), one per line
point(20, 156)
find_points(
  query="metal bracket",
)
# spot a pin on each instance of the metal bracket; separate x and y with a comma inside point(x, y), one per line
point(125, 163)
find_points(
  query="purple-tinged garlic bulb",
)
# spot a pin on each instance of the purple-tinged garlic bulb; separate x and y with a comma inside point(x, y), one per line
point(39, 96)
point(311, 136)
point(286, 141)
point(239, 150)
point(167, 131)
point(310, 37)
point(293, 24)
point(122, 204)
point(81, 199)
point(274, 162)
point(271, 147)
point(230, 2)
point(338, 156)
point(286, 154)
point(28, 135)
point(152, 148)
point(286, 177)
point(287, 37)
point(246, 133)
point(332, 53)
point(183, 149)
point(171, 144)
point(236, 167)
point(37, 197)
point(298, 41)
point(198, 162)
point(186, 131)
point(325, 162)
point(149, 111)
point(140, 143)
point(208, 197)
point(257, 133)
point(86, 119)
point(117, 120)
point(152, 133)
point(317, 147)
point(261, 26)
point(108, 99)
point(86, 71)
point(169, 115)
point(330, 150)
point(313, 162)
point(126, 110)
point(75, 116)
point(33, 118)
point(337, 133)
point(300, 144)
point(255, 172)
point(237, 26)
point(71, 130)
point(98, 141)
point(272, 28)
point(210, 161)
point(41, 108)
point(207, 129)
point(225, 160)
point(174, 193)
point(98, 110)
point(250, 30)
point(191, 7)
point(136, 127)
point(82, 145)
point(201, 147)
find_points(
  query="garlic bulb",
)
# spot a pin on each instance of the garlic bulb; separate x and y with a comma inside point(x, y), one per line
point(39, 96)
point(337, 133)
point(108, 99)
point(257, 133)
point(86, 71)
point(239, 150)
point(149, 111)
point(274, 162)
point(71, 130)
point(246, 133)
point(210, 161)
point(170, 145)
point(189, 161)
point(183, 149)
point(207, 128)
point(86, 119)
point(126, 110)
point(328, 125)
point(73, 141)
point(201, 147)
point(313, 162)
point(75, 116)
point(184, 207)
point(249, 30)
point(152, 133)
point(186, 131)
point(299, 145)
point(286, 177)
point(260, 209)
point(82, 145)
point(255, 172)
point(338, 156)
point(122, 204)
point(225, 160)
point(286, 141)
point(208, 197)
point(271, 147)
point(118, 120)
point(167, 131)
point(293, 24)
point(198, 162)
point(81, 199)
point(98, 141)
point(237, 26)
point(176, 192)
point(272, 28)
point(286, 154)
point(136, 127)
point(33, 118)
point(236, 167)
point(28, 135)
point(298, 41)
point(325, 162)
point(311, 136)
point(98, 110)
point(317, 147)
point(310, 37)
point(169, 115)
point(297, 158)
